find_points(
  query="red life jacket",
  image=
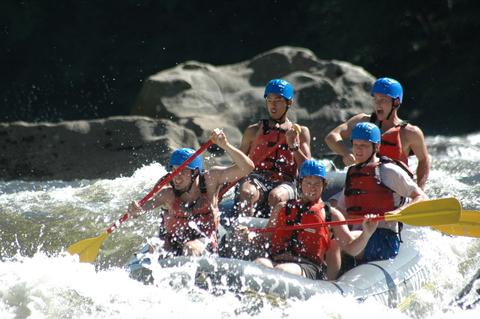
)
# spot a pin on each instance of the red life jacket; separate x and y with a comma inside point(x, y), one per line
point(270, 153)
point(306, 243)
point(175, 222)
point(391, 144)
point(364, 191)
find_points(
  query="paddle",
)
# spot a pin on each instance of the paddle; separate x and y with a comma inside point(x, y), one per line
point(468, 225)
point(427, 213)
point(88, 249)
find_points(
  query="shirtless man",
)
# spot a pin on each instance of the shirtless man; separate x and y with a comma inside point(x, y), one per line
point(399, 139)
point(277, 147)
point(190, 204)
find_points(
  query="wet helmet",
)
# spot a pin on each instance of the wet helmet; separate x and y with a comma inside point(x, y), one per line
point(312, 167)
point(366, 131)
point(280, 87)
point(180, 155)
point(389, 87)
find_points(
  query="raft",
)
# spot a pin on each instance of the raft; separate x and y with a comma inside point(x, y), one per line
point(389, 282)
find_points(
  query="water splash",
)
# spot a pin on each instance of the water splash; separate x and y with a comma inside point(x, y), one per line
point(39, 219)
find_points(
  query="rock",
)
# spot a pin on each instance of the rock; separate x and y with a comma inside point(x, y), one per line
point(201, 97)
point(178, 108)
point(104, 148)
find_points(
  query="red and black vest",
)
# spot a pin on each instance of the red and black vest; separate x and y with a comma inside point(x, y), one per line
point(175, 222)
point(364, 191)
point(306, 243)
point(270, 153)
point(391, 144)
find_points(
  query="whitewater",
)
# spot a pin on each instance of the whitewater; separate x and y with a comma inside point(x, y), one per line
point(38, 220)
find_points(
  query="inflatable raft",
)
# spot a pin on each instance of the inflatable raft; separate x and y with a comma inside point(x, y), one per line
point(389, 282)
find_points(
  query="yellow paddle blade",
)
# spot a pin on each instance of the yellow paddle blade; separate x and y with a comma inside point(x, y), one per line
point(460, 229)
point(470, 216)
point(433, 212)
point(469, 225)
point(88, 249)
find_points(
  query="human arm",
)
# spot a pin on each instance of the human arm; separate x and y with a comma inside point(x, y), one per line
point(298, 140)
point(260, 239)
point(161, 199)
point(417, 144)
point(273, 220)
point(243, 165)
point(416, 196)
point(350, 243)
point(396, 179)
point(335, 140)
point(248, 138)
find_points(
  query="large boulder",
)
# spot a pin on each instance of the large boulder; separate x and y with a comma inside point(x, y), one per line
point(183, 105)
point(104, 148)
point(201, 97)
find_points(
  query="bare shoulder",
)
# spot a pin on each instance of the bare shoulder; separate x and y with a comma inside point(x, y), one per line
point(305, 133)
point(212, 176)
point(165, 197)
point(253, 127)
point(305, 130)
point(413, 132)
point(251, 130)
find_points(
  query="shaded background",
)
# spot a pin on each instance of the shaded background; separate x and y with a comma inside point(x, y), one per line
point(66, 60)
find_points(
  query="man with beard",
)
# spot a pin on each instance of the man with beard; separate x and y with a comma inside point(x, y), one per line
point(190, 204)
point(399, 138)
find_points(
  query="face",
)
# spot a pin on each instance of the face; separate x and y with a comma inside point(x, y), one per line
point(312, 188)
point(182, 179)
point(276, 106)
point(362, 150)
point(382, 105)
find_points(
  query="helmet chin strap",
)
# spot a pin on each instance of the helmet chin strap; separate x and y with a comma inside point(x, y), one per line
point(370, 157)
point(391, 111)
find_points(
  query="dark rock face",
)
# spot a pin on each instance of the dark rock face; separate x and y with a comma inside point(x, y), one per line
point(105, 148)
point(201, 96)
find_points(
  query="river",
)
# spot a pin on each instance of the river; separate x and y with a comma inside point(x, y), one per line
point(39, 280)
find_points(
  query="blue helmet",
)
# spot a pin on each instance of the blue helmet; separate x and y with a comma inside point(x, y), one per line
point(366, 131)
point(312, 167)
point(280, 87)
point(389, 87)
point(180, 155)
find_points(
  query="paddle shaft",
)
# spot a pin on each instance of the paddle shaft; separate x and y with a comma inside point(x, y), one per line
point(440, 211)
point(164, 180)
point(316, 225)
